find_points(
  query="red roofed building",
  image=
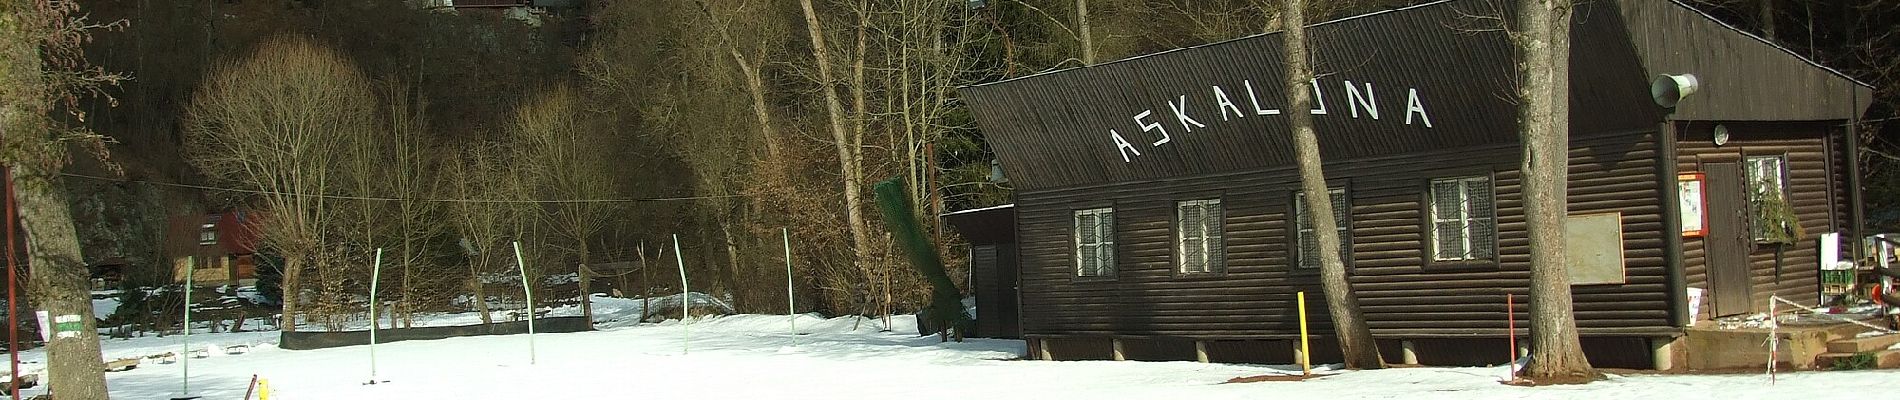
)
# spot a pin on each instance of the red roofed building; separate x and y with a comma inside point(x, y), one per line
point(220, 247)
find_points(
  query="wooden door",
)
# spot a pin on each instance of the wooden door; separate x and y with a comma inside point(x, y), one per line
point(1009, 273)
point(997, 282)
point(1726, 246)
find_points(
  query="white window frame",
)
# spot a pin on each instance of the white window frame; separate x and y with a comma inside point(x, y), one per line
point(1103, 248)
point(1303, 227)
point(1464, 218)
point(1758, 183)
point(1207, 235)
point(208, 234)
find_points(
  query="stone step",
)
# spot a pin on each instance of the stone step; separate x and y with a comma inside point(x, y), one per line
point(1883, 359)
point(1844, 331)
point(1856, 345)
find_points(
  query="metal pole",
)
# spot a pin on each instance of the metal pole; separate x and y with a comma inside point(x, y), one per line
point(686, 304)
point(1510, 330)
point(790, 306)
point(529, 293)
point(375, 279)
point(1306, 353)
point(191, 264)
point(13, 307)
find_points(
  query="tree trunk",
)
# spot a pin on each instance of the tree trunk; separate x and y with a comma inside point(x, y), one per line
point(59, 280)
point(732, 264)
point(60, 284)
point(1082, 32)
point(755, 87)
point(1544, 44)
point(646, 301)
point(481, 296)
point(288, 289)
point(841, 138)
point(1349, 324)
point(587, 300)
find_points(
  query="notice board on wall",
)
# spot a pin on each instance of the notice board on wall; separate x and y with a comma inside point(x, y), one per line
point(1593, 248)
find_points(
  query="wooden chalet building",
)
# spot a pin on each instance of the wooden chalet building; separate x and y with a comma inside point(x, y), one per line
point(1155, 213)
point(219, 248)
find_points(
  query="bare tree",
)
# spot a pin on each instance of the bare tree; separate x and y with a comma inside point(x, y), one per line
point(1349, 324)
point(570, 162)
point(481, 222)
point(275, 122)
point(845, 142)
point(409, 174)
point(1543, 43)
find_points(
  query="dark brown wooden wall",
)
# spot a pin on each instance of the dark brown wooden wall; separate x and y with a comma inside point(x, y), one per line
point(993, 274)
point(1400, 295)
point(1816, 187)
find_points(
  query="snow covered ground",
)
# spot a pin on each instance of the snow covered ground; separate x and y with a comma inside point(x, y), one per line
point(759, 356)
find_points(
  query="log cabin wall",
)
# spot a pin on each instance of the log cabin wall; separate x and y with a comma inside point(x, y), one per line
point(1140, 135)
point(1816, 191)
point(1402, 294)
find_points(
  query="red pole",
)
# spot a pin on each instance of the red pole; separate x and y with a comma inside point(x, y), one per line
point(1510, 315)
point(13, 307)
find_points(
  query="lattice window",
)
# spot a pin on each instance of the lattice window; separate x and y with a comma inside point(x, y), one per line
point(1464, 224)
point(1095, 242)
point(1773, 216)
point(1309, 242)
point(1198, 236)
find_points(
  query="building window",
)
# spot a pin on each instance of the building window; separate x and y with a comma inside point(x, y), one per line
point(1773, 218)
point(1464, 226)
point(1095, 242)
point(1198, 236)
point(1308, 250)
point(208, 234)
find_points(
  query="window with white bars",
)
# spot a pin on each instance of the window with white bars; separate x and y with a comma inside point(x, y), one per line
point(1095, 242)
point(208, 234)
point(1198, 236)
point(1308, 253)
point(1767, 188)
point(1464, 225)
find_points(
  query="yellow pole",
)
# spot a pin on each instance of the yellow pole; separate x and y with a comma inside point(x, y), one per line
point(1306, 355)
point(263, 389)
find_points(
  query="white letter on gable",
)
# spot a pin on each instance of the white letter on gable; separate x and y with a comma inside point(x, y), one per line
point(1121, 145)
point(1319, 99)
point(1150, 126)
point(1180, 115)
point(1355, 100)
point(1256, 101)
point(1413, 106)
point(1220, 96)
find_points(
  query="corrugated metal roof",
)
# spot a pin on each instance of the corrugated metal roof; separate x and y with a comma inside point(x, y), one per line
point(1432, 76)
point(1742, 76)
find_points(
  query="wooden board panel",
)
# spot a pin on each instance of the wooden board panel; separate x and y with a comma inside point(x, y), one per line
point(1254, 297)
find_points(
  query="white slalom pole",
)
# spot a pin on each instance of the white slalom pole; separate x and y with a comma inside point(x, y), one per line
point(375, 279)
point(1774, 339)
point(686, 300)
point(191, 264)
point(790, 306)
point(527, 291)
